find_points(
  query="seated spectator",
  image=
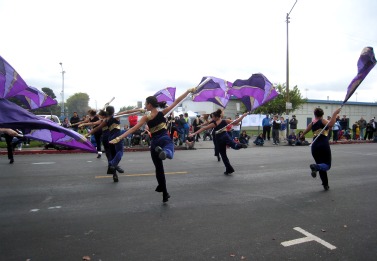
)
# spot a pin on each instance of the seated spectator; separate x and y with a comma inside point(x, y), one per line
point(347, 134)
point(190, 143)
point(292, 139)
point(146, 136)
point(207, 133)
point(301, 140)
point(244, 138)
point(259, 141)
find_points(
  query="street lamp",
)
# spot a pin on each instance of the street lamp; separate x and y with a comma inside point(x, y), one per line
point(287, 80)
point(63, 106)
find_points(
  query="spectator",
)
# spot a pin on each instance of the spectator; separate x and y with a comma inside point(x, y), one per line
point(355, 131)
point(282, 130)
point(244, 138)
point(190, 142)
point(66, 123)
point(344, 123)
point(74, 120)
point(276, 123)
point(266, 125)
point(369, 130)
point(236, 129)
point(293, 124)
point(362, 125)
point(259, 141)
point(301, 141)
point(146, 136)
point(292, 139)
point(196, 125)
point(335, 130)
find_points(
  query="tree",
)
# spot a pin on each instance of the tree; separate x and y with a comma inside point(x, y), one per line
point(127, 108)
point(78, 102)
point(278, 105)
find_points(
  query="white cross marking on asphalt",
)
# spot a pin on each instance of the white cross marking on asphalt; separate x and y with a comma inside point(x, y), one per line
point(309, 237)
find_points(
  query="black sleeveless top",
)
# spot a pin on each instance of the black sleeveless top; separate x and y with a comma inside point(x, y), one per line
point(222, 124)
point(157, 125)
point(113, 124)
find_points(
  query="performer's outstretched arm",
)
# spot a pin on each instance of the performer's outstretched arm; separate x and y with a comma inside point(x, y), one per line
point(138, 125)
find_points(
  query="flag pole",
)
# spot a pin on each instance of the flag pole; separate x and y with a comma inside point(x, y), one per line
point(108, 103)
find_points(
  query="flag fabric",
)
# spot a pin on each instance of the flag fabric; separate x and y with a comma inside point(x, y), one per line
point(33, 98)
point(166, 95)
point(365, 64)
point(11, 82)
point(14, 117)
point(253, 92)
point(213, 90)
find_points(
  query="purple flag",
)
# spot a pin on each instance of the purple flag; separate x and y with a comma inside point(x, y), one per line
point(166, 95)
point(15, 117)
point(34, 98)
point(365, 64)
point(253, 92)
point(214, 90)
point(10, 81)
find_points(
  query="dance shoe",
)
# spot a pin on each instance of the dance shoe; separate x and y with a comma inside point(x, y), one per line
point(158, 189)
point(119, 169)
point(313, 167)
point(161, 153)
point(111, 170)
point(115, 178)
point(218, 158)
point(165, 197)
point(11, 161)
point(228, 172)
point(326, 187)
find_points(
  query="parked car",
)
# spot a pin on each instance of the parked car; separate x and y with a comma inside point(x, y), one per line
point(53, 118)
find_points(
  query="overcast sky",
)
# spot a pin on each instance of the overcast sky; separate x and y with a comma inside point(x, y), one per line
point(132, 49)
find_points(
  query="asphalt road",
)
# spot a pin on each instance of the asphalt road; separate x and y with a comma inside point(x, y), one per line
point(64, 207)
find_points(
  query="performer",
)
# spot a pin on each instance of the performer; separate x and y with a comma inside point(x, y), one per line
point(162, 146)
point(9, 134)
point(110, 127)
point(222, 138)
point(94, 121)
point(321, 148)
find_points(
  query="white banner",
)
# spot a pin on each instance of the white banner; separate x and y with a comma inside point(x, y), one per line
point(253, 120)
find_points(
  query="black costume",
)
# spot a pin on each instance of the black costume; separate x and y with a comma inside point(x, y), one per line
point(321, 152)
point(223, 140)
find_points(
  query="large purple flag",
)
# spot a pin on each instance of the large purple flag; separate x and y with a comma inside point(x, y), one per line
point(10, 81)
point(34, 98)
point(166, 95)
point(365, 64)
point(253, 92)
point(14, 117)
point(214, 90)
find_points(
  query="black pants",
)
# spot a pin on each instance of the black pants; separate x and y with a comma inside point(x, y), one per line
point(266, 131)
point(8, 140)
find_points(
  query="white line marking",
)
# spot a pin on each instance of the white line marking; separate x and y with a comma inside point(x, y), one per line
point(34, 210)
point(54, 207)
point(309, 237)
point(43, 163)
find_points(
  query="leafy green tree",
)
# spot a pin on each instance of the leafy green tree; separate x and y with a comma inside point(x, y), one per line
point(278, 105)
point(127, 108)
point(78, 102)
